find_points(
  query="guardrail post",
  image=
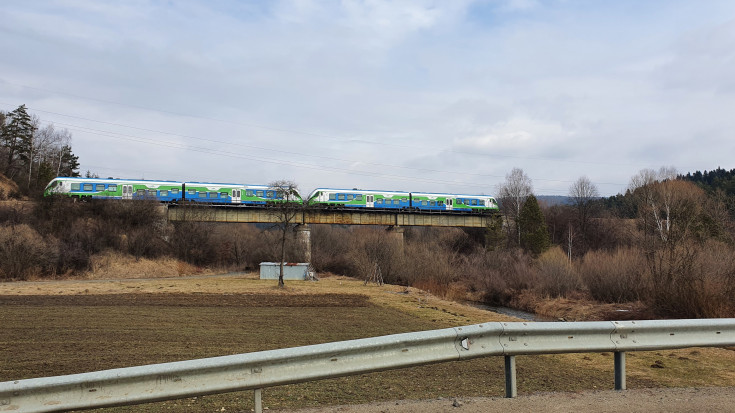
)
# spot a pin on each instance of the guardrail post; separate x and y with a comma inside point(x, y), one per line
point(510, 376)
point(258, 400)
point(619, 370)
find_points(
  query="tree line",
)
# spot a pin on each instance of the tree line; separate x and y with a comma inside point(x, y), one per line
point(31, 154)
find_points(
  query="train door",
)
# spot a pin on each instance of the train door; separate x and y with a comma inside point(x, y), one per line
point(127, 192)
point(370, 201)
point(236, 196)
point(450, 203)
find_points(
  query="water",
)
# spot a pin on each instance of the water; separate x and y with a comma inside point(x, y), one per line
point(524, 315)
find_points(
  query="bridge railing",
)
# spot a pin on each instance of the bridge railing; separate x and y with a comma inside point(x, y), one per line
point(256, 371)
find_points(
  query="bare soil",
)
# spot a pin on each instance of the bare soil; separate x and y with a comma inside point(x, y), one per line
point(639, 400)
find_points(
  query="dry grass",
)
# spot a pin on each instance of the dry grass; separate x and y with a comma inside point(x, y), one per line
point(112, 264)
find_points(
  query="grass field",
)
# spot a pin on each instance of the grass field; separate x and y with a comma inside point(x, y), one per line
point(63, 327)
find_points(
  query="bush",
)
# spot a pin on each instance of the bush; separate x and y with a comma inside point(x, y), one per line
point(556, 275)
point(615, 277)
point(24, 254)
point(705, 289)
point(331, 249)
point(374, 249)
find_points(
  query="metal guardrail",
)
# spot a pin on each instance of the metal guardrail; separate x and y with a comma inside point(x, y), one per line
point(255, 371)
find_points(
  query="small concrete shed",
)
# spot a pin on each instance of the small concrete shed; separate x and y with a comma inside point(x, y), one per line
point(291, 270)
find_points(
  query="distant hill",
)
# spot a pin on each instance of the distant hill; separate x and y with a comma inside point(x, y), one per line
point(551, 200)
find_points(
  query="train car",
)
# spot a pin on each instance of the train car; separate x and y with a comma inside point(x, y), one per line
point(452, 202)
point(233, 194)
point(424, 201)
point(99, 188)
point(165, 191)
point(357, 198)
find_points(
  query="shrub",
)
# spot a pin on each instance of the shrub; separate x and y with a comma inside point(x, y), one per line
point(374, 249)
point(24, 254)
point(614, 277)
point(331, 249)
point(705, 289)
point(556, 275)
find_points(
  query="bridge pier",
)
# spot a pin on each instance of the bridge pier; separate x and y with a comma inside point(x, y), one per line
point(303, 234)
point(395, 234)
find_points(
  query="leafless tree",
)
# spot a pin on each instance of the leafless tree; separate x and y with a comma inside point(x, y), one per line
point(512, 194)
point(286, 210)
point(583, 193)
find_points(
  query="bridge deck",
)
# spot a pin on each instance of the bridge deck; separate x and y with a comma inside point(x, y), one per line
point(328, 216)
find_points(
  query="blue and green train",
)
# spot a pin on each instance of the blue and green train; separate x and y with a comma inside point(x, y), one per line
point(263, 195)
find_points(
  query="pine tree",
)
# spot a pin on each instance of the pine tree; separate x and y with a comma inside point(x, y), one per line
point(534, 233)
point(68, 163)
point(17, 138)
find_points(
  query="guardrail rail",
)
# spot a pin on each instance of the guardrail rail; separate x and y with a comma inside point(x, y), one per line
point(256, 371)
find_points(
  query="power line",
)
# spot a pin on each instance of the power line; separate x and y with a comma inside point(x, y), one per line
point(300, 154)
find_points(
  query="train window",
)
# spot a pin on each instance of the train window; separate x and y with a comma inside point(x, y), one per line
point(481, 202)
point(99, 187)
point(404, 199)
point(175, 191)
point(87, 187)
point(151, 192)
point(358, 197)
point(474, 202)
point(332, 197)
point(379, 201)
point(112, 188)
point(140, 192)
point(192, 192)
point(432, 203)
point(349, 197)
point(440, 203)
point(223, 194)
point(259, 193)
point(202, 194)
point(213, 195)
point(269, 194)
point(76, 186)
point(425, 203)
point(341, 197)
point(164, 193)
point(249, 192)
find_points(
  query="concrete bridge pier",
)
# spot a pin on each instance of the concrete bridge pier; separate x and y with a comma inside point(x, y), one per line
point(303, 234)
point(395, 234)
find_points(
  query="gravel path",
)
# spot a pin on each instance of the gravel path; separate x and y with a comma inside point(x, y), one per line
point(709, 399)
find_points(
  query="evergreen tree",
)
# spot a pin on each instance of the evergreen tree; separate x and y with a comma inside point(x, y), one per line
point(17, 138)
point(68, 163)
point(494, 236)
point(534, 233)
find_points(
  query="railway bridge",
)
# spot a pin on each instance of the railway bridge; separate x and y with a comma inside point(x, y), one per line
point(395, 220)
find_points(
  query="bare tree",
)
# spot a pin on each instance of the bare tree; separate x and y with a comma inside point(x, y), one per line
point(286, 210)
point(512, 195)
point(583, 194)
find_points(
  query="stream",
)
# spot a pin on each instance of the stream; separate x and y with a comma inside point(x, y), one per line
point(524, 315)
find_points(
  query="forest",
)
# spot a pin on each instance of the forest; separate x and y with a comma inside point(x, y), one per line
point(662, 249)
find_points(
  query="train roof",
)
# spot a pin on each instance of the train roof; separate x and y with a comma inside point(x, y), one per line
point(111, 180)
point(363, 191)
point(452, 195)
point(357, 191)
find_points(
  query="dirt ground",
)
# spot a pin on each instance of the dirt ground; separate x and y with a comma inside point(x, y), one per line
point(708, 399)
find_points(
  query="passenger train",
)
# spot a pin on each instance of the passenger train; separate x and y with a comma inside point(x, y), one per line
point(263, 195)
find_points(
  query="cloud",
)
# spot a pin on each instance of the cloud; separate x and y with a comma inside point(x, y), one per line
point(433, 95)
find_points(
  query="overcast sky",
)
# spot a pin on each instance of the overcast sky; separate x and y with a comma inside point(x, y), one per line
point(442, 96)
